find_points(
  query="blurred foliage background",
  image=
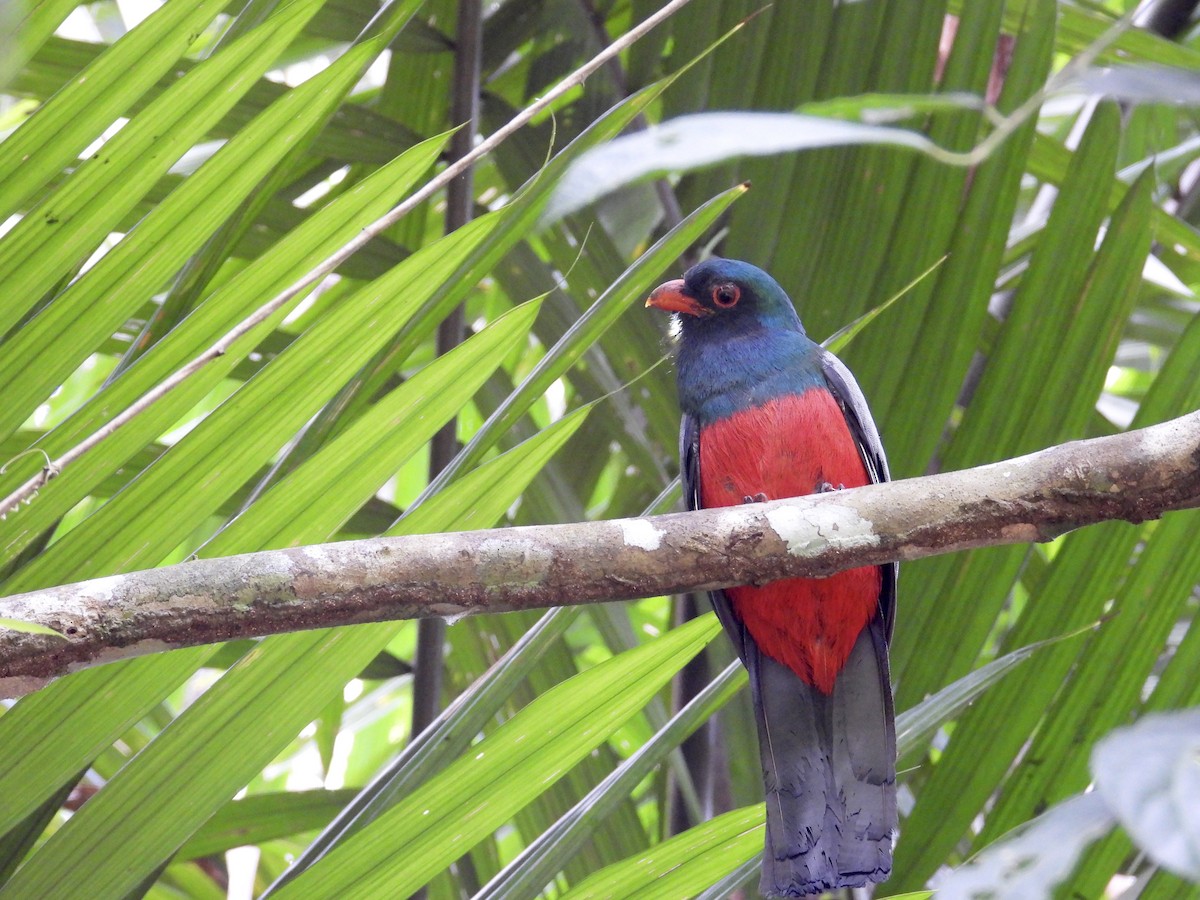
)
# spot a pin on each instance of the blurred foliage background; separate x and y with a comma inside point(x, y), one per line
point(165, 169)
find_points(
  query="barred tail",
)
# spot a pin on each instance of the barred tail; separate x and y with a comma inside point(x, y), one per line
point(829, 766)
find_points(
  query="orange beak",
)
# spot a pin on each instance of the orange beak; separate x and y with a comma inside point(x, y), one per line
point(670, 297)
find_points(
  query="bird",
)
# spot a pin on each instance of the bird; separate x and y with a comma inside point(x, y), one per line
point(767, 413)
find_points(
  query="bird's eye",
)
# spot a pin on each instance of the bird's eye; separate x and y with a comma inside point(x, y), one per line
point(726, 295)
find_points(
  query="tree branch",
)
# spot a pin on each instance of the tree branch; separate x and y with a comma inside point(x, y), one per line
point(1134, 476)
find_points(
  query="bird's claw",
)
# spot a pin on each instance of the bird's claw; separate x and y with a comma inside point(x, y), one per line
point(825, 487)
point(760, 497)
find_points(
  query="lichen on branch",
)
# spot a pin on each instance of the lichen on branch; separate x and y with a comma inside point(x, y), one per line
point(1134, 476)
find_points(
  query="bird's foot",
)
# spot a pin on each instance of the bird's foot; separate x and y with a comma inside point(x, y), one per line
point(757, 498)
point(825, 487)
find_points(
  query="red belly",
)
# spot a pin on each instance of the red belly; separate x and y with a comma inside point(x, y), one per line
point(786, 448)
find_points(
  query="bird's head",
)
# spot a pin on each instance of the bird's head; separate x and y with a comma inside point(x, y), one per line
point(726, 296)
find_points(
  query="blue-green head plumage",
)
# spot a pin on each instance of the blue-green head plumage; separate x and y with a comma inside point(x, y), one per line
point(740, 340)
point(735, 296)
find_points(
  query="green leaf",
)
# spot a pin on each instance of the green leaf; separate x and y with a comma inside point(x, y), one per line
point(26, 26)
point(98, 722)
point(1030, 358)
point(527, 205)
point(682, 865)
point(633, 284)
point(19, 840)
point(550, 853)
point(152, 806)
point(61, 231)
point(935, 211)
point(269, 409)
point(470, 502)
point(1110, 674)
point(264, 817)
point(914, 727)
point(38, 755)
point(723, 887)
point(251, 426)
point(430, 828)
point(265, 698)
point(844, 335)
point(354, 134)
point(348, 470)
point(221, 310)
point(51, 139)
point(48, 348)
point(474, 497)
point(878, 108)
point(446, 737)
point(1084, 26)
point(1049, 160)
point(29, 627)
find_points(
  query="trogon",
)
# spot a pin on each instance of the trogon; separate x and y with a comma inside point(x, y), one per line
point(768, 413)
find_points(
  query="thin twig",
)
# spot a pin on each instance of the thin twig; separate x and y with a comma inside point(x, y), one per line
point(29, 488)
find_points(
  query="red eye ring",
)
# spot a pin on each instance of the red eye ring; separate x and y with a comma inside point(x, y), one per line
point(726, 295)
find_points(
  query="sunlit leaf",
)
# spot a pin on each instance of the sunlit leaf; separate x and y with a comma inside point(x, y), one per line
point(435, 824)
point(75, 116)
point(682, 865)
point(28, 627)
point(551, 852)
point(1059, 249)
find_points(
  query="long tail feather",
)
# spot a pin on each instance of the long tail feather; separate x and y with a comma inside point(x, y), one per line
point(829, 765)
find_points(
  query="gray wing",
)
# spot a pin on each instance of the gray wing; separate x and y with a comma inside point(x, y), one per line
point(689, 474)
point(870, 447)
